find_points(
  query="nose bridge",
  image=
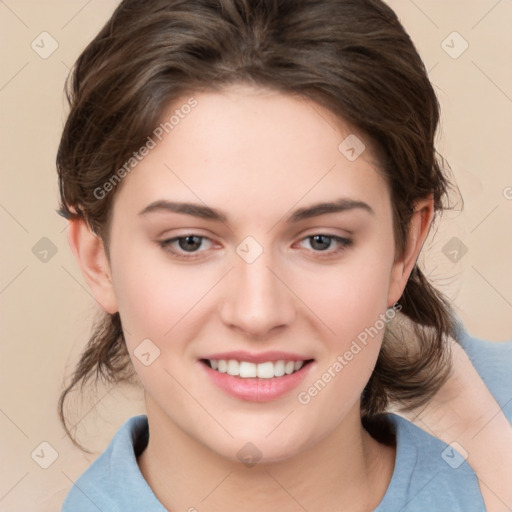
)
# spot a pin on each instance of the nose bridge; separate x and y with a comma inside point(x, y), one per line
point(257, 299)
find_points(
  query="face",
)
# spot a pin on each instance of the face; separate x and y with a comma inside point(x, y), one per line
point(254, 279)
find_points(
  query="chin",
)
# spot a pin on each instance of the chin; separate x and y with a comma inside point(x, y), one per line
point(255, 448)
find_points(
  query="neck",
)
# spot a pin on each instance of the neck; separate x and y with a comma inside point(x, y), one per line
point(347, 467)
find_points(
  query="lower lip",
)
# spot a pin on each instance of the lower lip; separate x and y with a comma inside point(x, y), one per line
point(255, 389)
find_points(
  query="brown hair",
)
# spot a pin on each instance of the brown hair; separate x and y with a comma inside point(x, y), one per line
point(353, 57)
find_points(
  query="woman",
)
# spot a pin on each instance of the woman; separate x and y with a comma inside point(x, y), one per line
point(249, 185)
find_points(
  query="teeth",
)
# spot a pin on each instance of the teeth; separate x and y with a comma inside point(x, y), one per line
point(233, 367)
point(247, 370)
point(279, 368)
point(265, 370)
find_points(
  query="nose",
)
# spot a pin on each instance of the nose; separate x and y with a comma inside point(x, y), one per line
point(257, 298)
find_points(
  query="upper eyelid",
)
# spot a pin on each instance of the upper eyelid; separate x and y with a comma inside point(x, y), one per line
point(302, 237)
point(311, 231)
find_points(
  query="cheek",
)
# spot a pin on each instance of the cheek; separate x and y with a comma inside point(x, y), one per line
point(348, 297)
point(352, 304)
point(155, 297)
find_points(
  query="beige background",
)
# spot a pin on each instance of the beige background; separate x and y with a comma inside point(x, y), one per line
point(46, 307)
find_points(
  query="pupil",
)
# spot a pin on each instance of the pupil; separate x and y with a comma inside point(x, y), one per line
point(321, 237)
point(188, 242)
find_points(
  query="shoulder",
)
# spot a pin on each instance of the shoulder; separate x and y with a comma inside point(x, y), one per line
point(493, 362)
point(113, 481)
point(428, 474)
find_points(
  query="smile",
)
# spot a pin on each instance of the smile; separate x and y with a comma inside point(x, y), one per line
point(266, 377)
point(247, 369)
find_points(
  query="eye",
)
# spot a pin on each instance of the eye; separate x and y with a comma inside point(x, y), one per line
point(188, 244)
point(322, 242)
point(187, 247)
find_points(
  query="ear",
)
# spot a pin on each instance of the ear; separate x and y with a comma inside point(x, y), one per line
point(419, 227)
point(89, 251)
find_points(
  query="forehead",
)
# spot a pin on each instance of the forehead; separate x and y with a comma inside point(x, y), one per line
point(253, 149)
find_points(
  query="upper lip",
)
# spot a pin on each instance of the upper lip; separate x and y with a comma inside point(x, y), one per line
point(260, 357)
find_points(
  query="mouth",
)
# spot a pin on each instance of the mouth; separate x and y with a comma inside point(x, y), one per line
point(250, 370)
point(260, 378)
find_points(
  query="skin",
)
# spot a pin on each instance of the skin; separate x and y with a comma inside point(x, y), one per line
point(257, 155)
point(464, 411)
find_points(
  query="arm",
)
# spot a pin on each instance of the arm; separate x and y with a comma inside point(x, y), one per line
point(465, 411)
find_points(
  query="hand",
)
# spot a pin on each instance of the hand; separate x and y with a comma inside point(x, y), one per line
point(465, 411)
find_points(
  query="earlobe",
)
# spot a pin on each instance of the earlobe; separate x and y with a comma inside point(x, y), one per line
point(89, 251)
point(419, 228)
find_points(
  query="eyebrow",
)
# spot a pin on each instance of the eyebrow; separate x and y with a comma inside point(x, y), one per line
point(205, 212)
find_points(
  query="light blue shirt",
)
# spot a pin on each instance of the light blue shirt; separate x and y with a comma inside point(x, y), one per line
point(429, 475)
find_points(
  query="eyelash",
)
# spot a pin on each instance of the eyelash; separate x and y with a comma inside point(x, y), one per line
point(344, 243)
